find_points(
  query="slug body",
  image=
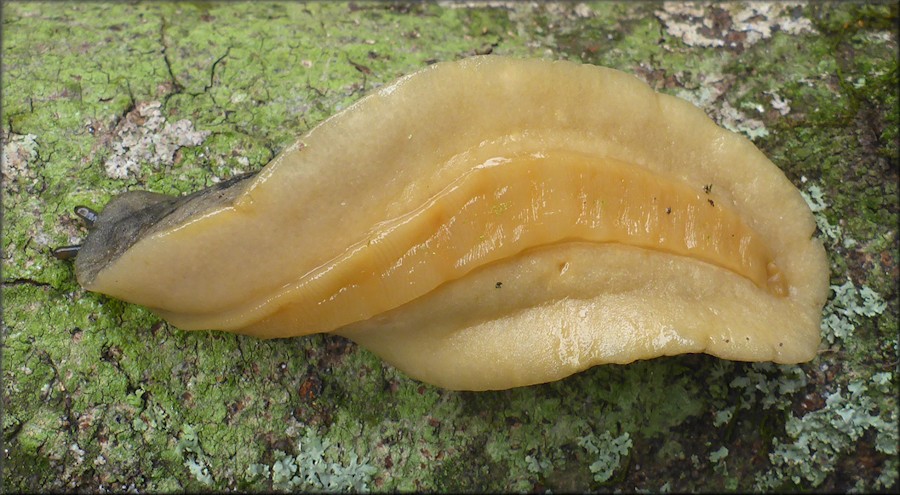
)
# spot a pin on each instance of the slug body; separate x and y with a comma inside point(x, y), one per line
point(485, 224)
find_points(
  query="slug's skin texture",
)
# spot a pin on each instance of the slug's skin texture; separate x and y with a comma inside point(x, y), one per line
point(486, 224)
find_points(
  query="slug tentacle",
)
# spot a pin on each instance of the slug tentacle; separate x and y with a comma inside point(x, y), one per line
point(66, 252)
point(88, 215)
point(620, 223)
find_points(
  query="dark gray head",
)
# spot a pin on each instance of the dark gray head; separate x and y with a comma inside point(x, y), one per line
point(133, 215)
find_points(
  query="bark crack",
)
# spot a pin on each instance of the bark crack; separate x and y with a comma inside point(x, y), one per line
point(177, 87)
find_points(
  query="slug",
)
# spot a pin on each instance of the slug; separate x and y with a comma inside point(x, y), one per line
point(485, 224)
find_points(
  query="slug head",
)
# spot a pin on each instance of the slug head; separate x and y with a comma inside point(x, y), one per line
point(134, 215)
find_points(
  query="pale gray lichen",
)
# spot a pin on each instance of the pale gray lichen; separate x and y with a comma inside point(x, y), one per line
point(537, 464)
point(779, 103)
point(769, 385)
point(709, 97)
point(736, 121)
point(844, 309)
point(195, 459)
point(310, 469)
point(815, 199)
point(730, 24)
point(720, 466)
point(568, 9)
point(478, 4)
point(723, 416)
point(607, 451)
point(144, 136)
point(19, 152)
point(817, 440)
point(718, 455)
point(709, 88)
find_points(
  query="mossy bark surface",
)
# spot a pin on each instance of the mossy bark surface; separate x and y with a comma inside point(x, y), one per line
point(101, 98)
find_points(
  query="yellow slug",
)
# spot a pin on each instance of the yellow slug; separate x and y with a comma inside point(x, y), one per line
point(486, 224)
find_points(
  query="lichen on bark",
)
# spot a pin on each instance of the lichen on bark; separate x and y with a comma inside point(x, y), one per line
point(99, 394)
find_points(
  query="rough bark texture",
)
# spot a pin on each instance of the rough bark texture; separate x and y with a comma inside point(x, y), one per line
point(98, 394)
